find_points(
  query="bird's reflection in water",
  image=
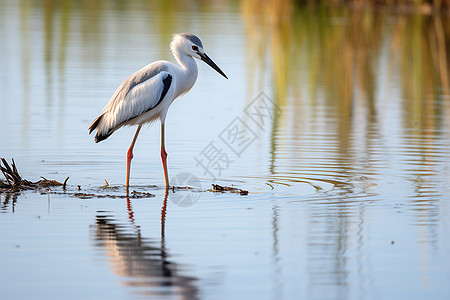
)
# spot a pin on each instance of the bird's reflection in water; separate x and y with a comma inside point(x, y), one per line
point(144, 264)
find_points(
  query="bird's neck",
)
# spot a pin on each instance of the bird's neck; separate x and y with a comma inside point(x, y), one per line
point(186, 62)
point(189, 70)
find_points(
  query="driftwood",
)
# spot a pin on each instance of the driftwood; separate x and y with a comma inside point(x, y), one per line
point(134, 195)
point(223, 189)
point(14, 182)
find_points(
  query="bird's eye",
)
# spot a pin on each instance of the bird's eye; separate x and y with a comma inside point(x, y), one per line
point(195, 48)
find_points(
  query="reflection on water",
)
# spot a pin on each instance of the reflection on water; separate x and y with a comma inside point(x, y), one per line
point(143, 264)
point(364, 94)
point(8, 202)
point(366, 118)
point(348, 186)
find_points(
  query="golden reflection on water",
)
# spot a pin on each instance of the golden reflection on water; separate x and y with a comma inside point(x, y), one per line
point(340, 48)
point(353, 63)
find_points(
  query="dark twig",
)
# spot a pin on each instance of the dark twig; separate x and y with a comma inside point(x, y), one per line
point(64, 184)
point(223, 189)
point(14, 167)
point(6, 176)
point(10, 174)
point(15, 182)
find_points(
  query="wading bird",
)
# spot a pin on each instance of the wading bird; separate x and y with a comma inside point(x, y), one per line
point(146, 95)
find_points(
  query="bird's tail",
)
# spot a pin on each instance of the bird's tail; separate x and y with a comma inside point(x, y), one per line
point(98, 136)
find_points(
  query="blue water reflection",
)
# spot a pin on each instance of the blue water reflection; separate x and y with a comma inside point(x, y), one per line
point(144, 264)
point(348, 183)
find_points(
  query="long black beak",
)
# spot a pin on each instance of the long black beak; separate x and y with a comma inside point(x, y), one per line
point(209, 61)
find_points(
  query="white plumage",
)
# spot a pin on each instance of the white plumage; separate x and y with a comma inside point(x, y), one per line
point(146, 95)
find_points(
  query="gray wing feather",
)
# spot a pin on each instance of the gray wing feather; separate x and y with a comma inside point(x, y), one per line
point(139, 93)
point(139, 77)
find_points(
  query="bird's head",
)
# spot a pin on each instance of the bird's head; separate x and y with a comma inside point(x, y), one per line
point(191, 45)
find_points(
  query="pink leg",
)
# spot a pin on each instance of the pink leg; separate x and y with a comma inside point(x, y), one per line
point(164, 156)
point(130, 156)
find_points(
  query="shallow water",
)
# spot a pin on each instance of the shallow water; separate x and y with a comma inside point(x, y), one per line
point(336, 122)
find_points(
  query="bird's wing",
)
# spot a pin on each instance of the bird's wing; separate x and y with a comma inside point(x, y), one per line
point(138, 94)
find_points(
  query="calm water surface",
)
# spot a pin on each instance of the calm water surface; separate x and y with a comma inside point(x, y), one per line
point(336, 121)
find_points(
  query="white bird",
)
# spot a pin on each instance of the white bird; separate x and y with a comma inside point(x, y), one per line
point(146, 95)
